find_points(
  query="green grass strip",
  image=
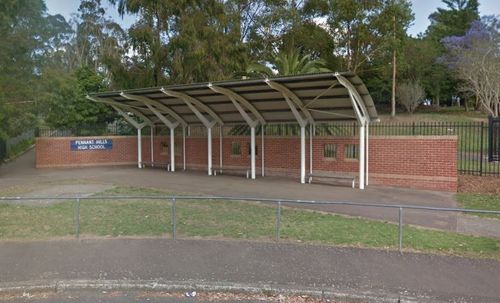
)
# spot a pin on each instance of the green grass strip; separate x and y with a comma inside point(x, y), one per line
point(480, 201)
point(227, 219)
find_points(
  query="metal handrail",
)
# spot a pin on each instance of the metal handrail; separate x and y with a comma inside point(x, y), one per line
point(275, 200)
point(279, 202)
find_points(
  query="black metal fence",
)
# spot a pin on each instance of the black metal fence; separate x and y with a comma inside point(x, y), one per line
point(474, 142)
point(494, 139)
point(3, 149)
point(13, 146)
point(478, 151)
point(86, 130)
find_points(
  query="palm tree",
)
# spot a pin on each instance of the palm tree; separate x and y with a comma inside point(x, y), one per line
point(286, 63)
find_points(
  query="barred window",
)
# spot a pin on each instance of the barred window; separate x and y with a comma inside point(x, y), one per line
point(351, 151)
point(164, 148)
point(236, 149)
point(330, 151)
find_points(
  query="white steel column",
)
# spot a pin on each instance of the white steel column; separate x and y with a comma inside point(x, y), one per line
point(262, 130)
point(252, 151)
point(209, 135)
point(310, 149)
point(195, 105)
point(302, 154)
point(362, 156)
point(184, 148)
point(172, 149)
point(117, 107)
point(139, 147)
point(367, 152)
point(220, 148)
point(152, 147)
point(295, 105)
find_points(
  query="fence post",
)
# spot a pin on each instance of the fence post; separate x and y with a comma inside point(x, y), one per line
point(278, 221)
point(3, 149)
point(77, 218)
point(481, 150)
point(400, 230)
point(174, 217)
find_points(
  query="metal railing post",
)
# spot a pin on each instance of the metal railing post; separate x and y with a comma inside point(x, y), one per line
point(77, 218)
point(481, 150)
point(174, 218)
point(278, 221)
point(400, 230)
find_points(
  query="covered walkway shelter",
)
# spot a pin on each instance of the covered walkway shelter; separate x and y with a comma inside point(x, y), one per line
point(306, 100)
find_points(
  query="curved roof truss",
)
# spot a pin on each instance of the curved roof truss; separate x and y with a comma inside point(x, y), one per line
point(311, 98)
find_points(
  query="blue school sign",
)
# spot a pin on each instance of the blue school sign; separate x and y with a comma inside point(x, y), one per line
point(91, 144)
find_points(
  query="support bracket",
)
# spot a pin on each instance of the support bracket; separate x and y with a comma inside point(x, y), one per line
point(195, 106)
point(293, 102)
point(160, 106)
point(238, 101)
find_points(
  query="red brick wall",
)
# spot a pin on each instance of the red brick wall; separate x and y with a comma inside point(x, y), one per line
point(56, 152)
point(415, 162)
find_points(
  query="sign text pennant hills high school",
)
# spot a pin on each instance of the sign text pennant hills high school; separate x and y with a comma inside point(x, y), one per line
point(91, 144)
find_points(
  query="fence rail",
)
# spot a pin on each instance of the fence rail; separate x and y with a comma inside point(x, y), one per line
point(11, 146)
point(278, 202)
point(474, 140)
point(86, 130)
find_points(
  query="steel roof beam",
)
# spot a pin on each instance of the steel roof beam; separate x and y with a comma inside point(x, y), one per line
point(118, 107)
point(150, 103)
point(238, 101)
point(357, 101)
point(293, 102)
point(195, 105)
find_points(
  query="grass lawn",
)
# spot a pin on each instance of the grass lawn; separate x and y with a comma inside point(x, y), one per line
point(474, 165)
point(480, 201)
point(443, 114)
point(225, 219)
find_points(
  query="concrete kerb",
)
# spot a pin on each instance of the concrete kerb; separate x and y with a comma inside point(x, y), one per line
point(351, 295)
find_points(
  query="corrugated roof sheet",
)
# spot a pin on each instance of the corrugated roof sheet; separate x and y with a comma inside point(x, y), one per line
point(321, 95)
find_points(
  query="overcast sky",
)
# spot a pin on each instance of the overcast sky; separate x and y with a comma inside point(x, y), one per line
point(421, 8)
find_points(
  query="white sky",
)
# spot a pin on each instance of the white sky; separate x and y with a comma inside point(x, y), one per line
point(421, 8)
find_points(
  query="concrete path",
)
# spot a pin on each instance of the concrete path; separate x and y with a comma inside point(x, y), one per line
point(22, 172)
point(354, 272)
point(90, 296)
point(137, 296)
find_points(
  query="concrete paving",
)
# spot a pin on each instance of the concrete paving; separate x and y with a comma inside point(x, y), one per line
point(22, 171)
point(356, 272)
point(98, 296)
point(353, 272)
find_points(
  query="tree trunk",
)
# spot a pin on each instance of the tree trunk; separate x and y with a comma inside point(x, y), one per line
point(393, 97)
point(478, 104)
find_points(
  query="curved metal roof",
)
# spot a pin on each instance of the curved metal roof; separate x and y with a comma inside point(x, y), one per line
point(311, 98)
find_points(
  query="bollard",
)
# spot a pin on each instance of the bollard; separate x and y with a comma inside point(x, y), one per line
point(77, 218)
point(174, 225)
point(400, 230)
point(278, 221)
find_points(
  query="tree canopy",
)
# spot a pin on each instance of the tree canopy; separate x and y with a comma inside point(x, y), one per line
point(48, 64)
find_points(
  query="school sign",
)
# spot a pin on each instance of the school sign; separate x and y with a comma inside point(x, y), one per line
point(91, 144)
